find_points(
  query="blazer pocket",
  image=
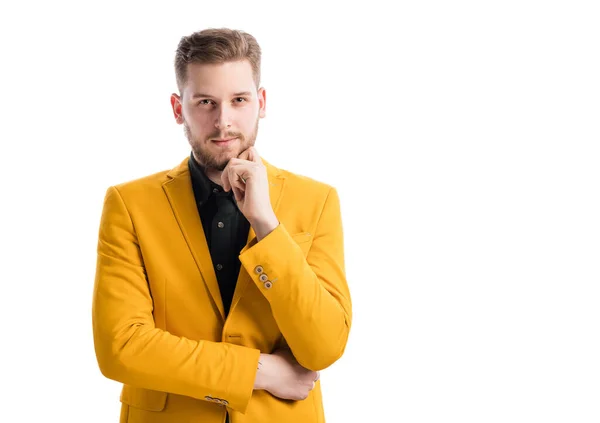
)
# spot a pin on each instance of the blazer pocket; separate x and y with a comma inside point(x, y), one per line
point(145, 399)
point(302, 237)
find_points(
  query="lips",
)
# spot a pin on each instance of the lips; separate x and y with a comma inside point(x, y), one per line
point(224, 143)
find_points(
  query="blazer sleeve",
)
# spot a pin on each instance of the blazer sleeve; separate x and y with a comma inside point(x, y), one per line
point(131, 350)
point(309, 296)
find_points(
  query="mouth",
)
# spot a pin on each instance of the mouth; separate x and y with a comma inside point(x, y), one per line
point(224, 142)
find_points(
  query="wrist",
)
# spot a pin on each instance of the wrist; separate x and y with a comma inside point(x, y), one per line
point(263, 227)
point(260, 381)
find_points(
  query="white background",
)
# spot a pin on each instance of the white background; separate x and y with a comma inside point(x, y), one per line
point(463, 140)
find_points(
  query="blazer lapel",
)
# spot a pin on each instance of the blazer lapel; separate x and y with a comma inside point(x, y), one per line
point(179, 191)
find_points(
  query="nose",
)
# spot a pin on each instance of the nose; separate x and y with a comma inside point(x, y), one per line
point(223, 118)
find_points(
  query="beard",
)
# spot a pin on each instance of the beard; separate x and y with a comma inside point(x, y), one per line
point(211, 160)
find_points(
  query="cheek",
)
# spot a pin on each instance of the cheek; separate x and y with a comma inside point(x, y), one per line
point(249, 119)
point(198, 121)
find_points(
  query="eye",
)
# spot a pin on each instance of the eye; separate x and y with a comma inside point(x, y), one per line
point(204, 101)
point(240, 98)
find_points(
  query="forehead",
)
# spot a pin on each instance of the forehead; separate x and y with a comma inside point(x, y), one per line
point(220, 79)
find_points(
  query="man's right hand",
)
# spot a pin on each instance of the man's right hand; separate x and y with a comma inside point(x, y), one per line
point(280, 374)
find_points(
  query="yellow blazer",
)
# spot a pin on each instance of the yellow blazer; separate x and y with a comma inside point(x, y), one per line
point(157, 315)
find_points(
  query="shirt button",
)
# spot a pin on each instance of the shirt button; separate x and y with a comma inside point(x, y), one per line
point(215, 189)
point(258, 269)
point(263, 277)
point(220, 224)
point(219, 266)
point(268, 284)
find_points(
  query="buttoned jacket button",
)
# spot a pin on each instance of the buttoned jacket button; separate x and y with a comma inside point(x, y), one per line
point(258, 269)
point(268, 284)
point(263, 277)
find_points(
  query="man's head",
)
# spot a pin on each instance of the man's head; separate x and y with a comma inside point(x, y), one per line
point(218, 77)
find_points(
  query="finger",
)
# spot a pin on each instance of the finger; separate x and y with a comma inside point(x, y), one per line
point(232, 177)
point(253, 156)
point(237, 193)
point(244, 154)
point(225, 179)
point(239, 185)
point(318, 376)
point(234, 161)
point(313, 386)
point(240, 171)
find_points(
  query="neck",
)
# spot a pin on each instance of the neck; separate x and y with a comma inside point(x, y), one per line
point(211, 173)
point(214, 175)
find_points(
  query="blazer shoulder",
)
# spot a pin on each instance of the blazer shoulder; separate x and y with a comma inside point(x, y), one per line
point(153, 180)
point(301, 182)
point(143, 184)
point(150, 183)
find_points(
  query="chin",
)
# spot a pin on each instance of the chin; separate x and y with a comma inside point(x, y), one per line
point(222, 163)
point(219, 160)
point(221, 166)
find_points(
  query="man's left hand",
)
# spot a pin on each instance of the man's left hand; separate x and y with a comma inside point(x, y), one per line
point(252, 197)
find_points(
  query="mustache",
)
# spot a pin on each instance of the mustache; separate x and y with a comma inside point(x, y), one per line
point(227, 135)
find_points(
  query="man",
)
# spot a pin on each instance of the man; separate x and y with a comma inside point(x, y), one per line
point(220, 289)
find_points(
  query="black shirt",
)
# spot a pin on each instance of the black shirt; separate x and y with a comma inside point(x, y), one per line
point(225, 227)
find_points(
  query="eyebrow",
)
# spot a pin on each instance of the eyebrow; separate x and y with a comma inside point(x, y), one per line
point(246, 93)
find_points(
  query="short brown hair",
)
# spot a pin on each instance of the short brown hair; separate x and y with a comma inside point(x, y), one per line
point(216, 45)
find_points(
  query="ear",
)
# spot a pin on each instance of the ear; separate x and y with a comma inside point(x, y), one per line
point(177, 110)
point(262, 102)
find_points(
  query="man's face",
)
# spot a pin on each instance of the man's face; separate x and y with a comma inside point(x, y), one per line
point(219, 102)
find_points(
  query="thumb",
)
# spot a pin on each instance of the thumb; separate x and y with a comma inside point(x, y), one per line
point(253, 155)
point(244, 154)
